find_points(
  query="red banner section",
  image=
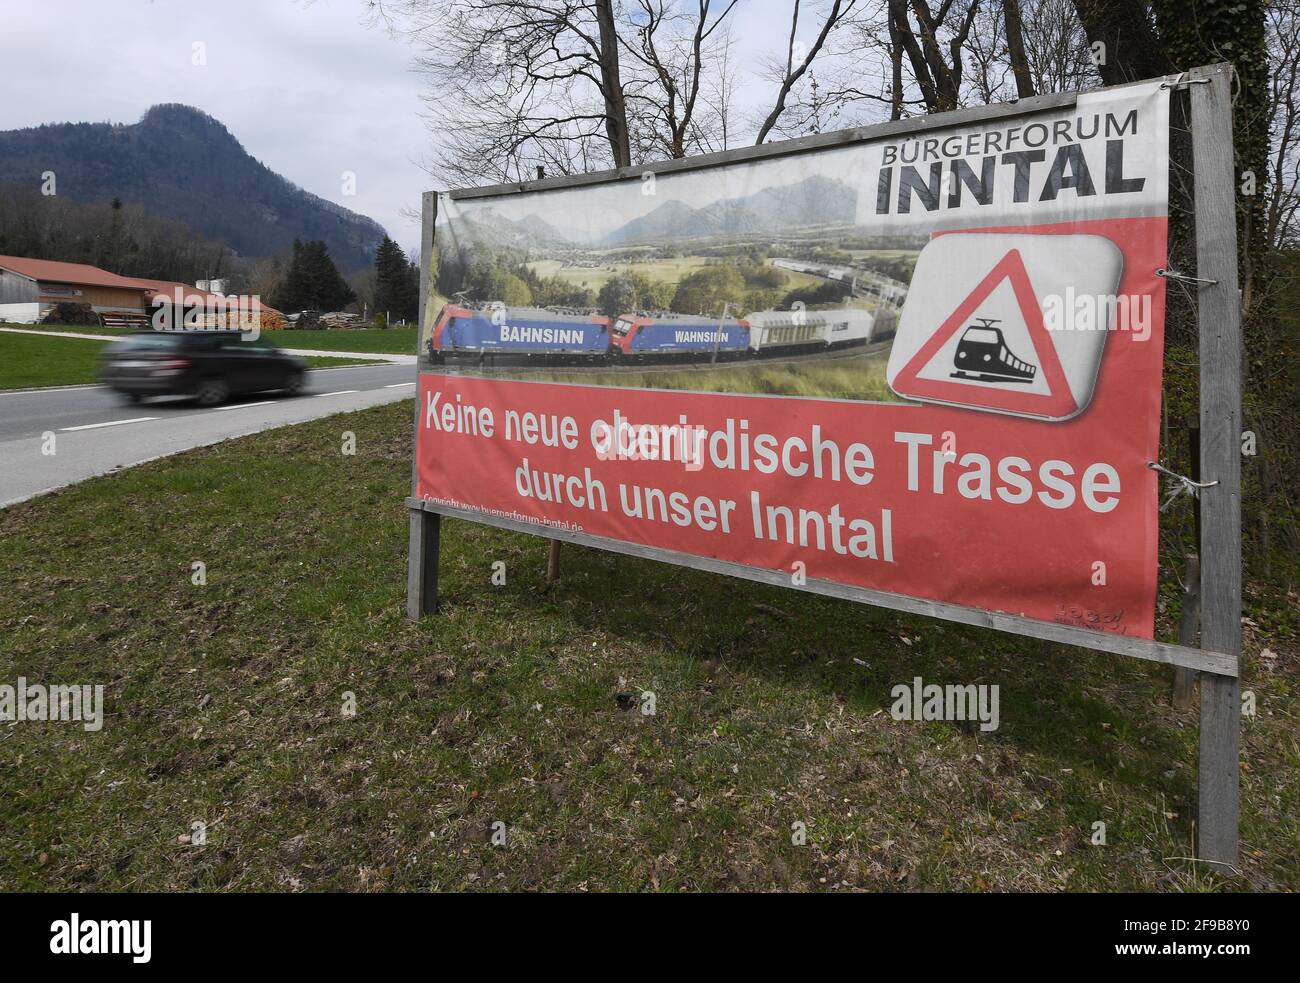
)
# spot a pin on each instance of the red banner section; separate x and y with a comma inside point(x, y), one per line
point(1050, 519)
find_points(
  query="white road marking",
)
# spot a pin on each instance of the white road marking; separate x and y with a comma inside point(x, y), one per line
point(48, 389)
point(61, 334)
point(399, 385)
point(362, 356)
point(244, 406)
point(110, 423)
point(342, 392)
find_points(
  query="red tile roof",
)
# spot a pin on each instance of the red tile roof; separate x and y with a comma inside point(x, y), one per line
point(50, 271)
point(78, 273)
point(187, 292)
point(169, 287)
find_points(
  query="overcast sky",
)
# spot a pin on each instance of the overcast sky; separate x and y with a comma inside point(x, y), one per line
point(305, 85)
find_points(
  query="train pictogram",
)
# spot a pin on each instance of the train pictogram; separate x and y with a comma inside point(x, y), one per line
point(973, 332)
point(983, 356)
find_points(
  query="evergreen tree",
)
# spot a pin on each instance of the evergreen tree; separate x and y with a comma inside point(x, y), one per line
point(312, 282)
point(397, 283)
point(287, 293)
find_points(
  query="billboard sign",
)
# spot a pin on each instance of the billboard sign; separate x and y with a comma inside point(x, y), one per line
point(926, 363)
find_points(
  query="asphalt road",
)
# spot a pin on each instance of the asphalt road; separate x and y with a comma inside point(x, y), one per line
point(95, 432)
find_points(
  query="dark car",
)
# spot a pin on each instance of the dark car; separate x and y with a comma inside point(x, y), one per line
point(211, 366)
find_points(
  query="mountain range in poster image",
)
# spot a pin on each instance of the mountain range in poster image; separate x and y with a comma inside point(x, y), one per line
point(761, 282)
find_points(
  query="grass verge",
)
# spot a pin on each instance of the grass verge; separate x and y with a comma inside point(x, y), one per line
point(226, 705)
point(329, 362)
point(386, 341)
point(71, 329)
point(30, 361)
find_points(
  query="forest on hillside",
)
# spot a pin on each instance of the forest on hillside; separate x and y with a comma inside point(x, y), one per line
point(182, 164)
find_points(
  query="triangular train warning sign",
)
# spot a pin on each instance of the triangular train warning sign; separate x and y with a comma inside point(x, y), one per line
point(1057, 403)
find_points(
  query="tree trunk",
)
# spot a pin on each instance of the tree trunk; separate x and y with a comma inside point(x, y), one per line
point(611, 86)
point(1016, 48)
point(1132, 51)
point(896, 67)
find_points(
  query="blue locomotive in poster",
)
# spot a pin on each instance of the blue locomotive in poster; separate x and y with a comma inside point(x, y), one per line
point(679, 334)
point(526, 330)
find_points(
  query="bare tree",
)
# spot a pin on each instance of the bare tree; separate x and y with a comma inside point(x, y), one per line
point(895, 49)
point(521, 83)
point(968, 52)
point(1129, 47)
point(1040, 45)
point(938, 76)
point(1056, 47)
point(1282, 20)
point(1014, 23)
point(720, 96)
point(577, 85)
point(671, 47)
point(859, 71)
point(988, 75)
point(799, 56)
point(610, 82)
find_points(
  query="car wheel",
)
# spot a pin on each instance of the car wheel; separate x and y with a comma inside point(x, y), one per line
point(212, 392)
point(131, 399)
point(295, 383)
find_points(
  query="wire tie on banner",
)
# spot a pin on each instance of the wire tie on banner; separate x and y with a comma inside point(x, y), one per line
point(1183, 82)
point(1180, 484)
point(1175, 275)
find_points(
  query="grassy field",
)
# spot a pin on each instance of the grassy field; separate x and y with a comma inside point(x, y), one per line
point(390, 341)
point(839, 378)
point(670, 270)
point(387, 341)
point(226, 705)
point(71, 329)
point(30, 361)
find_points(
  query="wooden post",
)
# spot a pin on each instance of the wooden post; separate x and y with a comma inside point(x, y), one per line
point(1220, 364)
point(553, 564)
point(426, 527)
point(553, 556)
point(1188, 628)
point(422, 564)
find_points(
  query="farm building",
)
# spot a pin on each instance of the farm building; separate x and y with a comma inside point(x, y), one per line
point(209, 308)
point(29, 288)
